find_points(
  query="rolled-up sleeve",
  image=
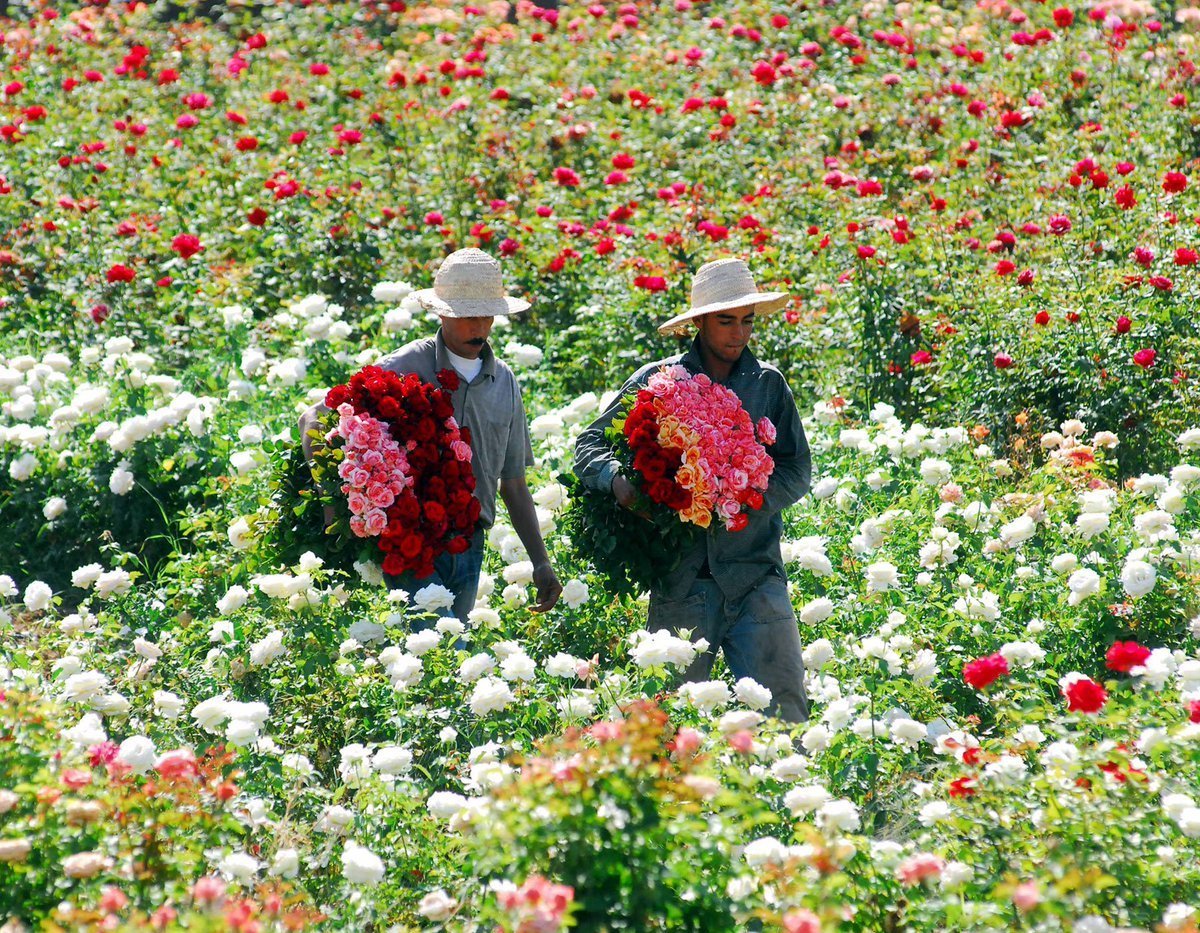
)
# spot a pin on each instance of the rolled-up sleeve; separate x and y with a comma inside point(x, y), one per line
point(595, 464)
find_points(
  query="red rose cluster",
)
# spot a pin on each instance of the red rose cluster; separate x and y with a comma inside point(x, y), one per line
point(657, 464)
point(438, 512)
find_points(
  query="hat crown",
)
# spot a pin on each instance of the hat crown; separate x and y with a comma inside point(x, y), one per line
point(721, 281)
point(468, 274)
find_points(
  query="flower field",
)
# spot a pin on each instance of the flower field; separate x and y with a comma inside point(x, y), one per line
point(987, 214)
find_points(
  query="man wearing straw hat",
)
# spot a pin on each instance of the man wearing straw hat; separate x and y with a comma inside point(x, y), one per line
point(731, 588)
point(467, 294)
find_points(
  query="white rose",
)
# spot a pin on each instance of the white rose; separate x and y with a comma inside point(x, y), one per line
point(266, 649)
point(838, 816)
point(574, 594)
point(113, 583)
point(38, 596)
point(239, 867)
point(437, 906)
point(393, 759)
point(1138, 577)
point(421, 643)
point(1090, 524)
point(881, 576)
point(286, 863)
point(818, 654)
point(138, 752)
point(752, 693)
point(54, 508)
point(239, 534)
point(121, 481)
point(391, 292)
point(490, 695)
point(1064, 563)
point(475, 667)
point(1082, 584)
point(443, 804)
point(806, 799)
point(235, 597)
point(85, 576)
point(706, 695)
point(433, 597)
point(167, 704)
point(818, 610)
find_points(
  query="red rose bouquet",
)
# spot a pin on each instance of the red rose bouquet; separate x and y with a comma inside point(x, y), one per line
point(697, 460)
point(396, 467)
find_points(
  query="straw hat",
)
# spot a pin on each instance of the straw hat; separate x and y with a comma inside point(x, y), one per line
point(722, 285)
point(468, 284)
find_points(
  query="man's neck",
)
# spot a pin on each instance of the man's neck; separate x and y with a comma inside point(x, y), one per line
point(717, 370)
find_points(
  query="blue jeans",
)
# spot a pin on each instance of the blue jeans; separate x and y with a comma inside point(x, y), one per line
point(757, 632)
point(459, 573)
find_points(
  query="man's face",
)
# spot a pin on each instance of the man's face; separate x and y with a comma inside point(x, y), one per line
point(725, 334)
point(465, 336)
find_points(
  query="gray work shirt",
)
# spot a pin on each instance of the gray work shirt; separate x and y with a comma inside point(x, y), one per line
point(737, 560)
point(490, 405)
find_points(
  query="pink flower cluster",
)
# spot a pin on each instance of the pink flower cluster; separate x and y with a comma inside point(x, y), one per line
point(725, 465)
point(538, 906)
point(374, 472)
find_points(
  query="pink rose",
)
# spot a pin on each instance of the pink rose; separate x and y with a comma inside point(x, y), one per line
point(766, 431)
point(380, 496)
point(376, 522)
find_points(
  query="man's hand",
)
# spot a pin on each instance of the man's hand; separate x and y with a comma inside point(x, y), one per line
point(548, 587)
point(626, 496)
point(624, 492)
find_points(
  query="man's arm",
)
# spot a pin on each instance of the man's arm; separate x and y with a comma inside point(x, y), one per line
point(308, 421)
point(792, 476)
point(595, 464)
point(523, 514)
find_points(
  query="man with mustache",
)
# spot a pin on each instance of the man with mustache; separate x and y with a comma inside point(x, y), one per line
point(731, 588)
point(467, 294)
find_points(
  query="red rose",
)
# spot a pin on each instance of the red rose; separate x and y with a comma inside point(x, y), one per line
point(1124, 655)
point(457, 545)
point(411, 545)
point(983, 672)
point(1194, 711)
point(1085, 696)
point(435, 512)
point(186, 245)
point(449, 379)
point(120, 273)
point(962, 787)
point(394, 564)
point(1145, 357)
point(407, 509)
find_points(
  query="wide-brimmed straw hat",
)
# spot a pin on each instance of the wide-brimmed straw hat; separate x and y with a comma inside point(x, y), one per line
point(468, 283)
point(722, 285)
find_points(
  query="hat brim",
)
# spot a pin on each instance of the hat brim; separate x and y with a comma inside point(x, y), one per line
point(469, 307)
point(761, 302)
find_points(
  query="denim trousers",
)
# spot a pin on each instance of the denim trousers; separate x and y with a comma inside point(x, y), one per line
point(757, 632)
point(459, 573)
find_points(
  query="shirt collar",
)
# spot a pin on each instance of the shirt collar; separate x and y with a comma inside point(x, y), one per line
point(692, 360)
point(441, 357)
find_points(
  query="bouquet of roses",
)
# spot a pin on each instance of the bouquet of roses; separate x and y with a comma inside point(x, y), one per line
point(690, 449)
point(396, 468)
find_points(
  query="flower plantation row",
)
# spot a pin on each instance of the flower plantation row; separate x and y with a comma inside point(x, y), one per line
point(165, 170)
point(1011, 645)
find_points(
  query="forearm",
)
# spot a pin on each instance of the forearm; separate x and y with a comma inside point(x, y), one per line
point(595, 464)
point(523, 514)
point(309, 421)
